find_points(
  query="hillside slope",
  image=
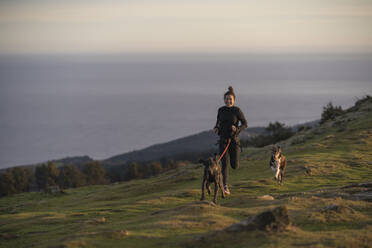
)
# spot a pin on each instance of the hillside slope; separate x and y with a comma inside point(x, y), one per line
point(330, 164)
point(200, 142)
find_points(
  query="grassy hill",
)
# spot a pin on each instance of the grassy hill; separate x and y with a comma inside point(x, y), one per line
point(330, 164)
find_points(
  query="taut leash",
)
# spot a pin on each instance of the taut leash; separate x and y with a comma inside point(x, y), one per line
point(228, 143)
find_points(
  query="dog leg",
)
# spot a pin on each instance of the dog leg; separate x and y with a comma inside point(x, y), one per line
point(282, 169)
point(281, 177)
point(277, 173)
point(208, 188)
point(215, 191)
point(203, 188)
point(220, 184)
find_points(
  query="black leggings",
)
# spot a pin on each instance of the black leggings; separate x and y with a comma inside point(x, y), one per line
point(231, 156)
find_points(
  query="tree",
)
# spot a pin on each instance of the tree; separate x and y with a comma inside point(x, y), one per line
point(330, 112)
point(275, 127)
point(95, 173)
point(46, 175)
point(117, 173)
point(168, 164)
point(41, 175)
point(133, 171)
point(279, 131)
point(65, 177)
point(22, 178)
point(78, 178)
point(70, 177)
point(53, 173)
point(275, 132)
point(155, 168)
point(7, 183)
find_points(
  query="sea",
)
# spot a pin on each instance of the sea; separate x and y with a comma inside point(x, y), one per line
point(62, 105)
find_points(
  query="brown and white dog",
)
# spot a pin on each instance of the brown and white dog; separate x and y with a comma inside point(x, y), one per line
point(278, 163)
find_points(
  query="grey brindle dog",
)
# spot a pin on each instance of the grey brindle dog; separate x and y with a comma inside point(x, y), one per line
point(212, 174)
point(278, 163)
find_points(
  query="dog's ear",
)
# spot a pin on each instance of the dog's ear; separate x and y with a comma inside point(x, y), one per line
point(279, 149)
point(216, 157)
point(273, 148)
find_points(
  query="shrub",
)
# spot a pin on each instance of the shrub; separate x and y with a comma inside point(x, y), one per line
point(275, 132)
point(330, 112)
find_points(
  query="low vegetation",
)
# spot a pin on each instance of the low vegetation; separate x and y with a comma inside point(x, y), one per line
point(330, 112)
point(325, 200)
point(275, 132)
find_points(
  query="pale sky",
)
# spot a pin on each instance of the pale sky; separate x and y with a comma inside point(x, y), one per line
point(152, 26)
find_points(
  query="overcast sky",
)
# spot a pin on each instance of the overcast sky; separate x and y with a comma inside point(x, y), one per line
point(92, 26)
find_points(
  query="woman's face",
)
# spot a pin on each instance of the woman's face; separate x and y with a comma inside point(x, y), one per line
point(229, 100)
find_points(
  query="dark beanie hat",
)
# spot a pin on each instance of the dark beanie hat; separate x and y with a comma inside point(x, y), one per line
point(230, 92)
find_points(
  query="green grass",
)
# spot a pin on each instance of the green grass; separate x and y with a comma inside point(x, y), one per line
point(165, 211)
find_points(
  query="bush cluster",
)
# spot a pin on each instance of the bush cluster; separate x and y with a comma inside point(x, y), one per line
point(275, 132)
point(330, 112)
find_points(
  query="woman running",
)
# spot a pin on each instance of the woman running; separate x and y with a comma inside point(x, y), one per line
point(227, 128)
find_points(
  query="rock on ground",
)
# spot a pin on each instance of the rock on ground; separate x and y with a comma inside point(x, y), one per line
point(272, 220)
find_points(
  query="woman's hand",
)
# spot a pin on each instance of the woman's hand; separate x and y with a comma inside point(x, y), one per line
point(215, 130)
point(233, 128)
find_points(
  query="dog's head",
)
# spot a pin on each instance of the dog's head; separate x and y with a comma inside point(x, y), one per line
point(210, 162)
point(276, 153)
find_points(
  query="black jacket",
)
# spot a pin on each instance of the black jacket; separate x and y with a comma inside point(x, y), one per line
point(228, 116)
